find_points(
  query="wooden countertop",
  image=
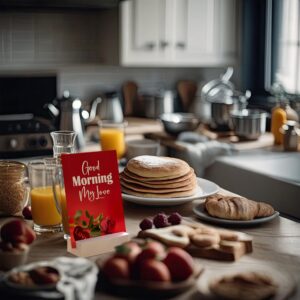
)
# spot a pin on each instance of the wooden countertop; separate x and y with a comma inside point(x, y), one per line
point(276, 243)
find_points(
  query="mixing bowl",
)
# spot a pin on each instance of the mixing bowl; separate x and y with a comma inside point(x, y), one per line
point(175, 123)
point(248, 124)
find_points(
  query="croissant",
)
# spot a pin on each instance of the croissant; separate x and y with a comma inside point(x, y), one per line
point(236, 208)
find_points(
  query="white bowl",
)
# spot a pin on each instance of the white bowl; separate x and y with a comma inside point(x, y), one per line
point(9, 260)
point(142, 147)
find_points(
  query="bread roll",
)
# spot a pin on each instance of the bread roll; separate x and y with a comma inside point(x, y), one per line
point(236, 208)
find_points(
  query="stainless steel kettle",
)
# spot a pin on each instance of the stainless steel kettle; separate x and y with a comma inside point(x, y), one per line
point(67, 114)
point(108, 107)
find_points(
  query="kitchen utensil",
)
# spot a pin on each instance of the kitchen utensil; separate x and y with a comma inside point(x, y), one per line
point(219, 92)
point(174, 123)
point(248, 124)
point(109, 107)
point(152, 106)
point(67, 111)
point(291, 135)
point(129, 91)
point(187, 90)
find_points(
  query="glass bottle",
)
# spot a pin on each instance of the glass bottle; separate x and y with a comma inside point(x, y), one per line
point(278, 118)
point(63, 142)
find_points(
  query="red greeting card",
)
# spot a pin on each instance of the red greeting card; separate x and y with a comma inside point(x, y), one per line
point(93, 194)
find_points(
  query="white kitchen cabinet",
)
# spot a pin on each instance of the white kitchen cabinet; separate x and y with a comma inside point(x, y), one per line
point(178, 32)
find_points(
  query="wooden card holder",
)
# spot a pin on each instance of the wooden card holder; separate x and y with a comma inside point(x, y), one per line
point(97, 245)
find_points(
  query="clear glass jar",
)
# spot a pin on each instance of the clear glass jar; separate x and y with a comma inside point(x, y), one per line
point(14, 187)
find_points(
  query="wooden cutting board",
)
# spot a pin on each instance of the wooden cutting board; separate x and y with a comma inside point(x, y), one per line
point(231, 248)
point(266, 140)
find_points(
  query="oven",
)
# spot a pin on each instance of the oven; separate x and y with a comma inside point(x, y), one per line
point(24, 122)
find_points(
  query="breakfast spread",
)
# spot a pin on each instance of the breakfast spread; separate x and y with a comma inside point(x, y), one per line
point(236, 208)
point(157, 176)
point(246, 286)
point(202, 241)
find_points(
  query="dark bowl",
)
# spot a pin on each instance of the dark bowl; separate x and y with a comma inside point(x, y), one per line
point(175, 123)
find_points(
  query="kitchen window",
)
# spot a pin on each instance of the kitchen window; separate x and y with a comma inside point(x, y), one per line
point(283, 44)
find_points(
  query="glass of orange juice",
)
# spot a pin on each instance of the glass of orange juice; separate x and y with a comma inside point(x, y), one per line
point(112, 137)
point(45, 215)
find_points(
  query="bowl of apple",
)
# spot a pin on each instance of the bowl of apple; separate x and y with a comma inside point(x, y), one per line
point(147, 268)
point(16, 237)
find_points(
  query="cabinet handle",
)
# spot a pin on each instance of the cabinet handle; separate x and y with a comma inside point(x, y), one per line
point(180, 45)
point(164, 44)
point(149, 46)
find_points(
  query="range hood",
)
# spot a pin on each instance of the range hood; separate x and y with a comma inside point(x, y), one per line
point(76, 4)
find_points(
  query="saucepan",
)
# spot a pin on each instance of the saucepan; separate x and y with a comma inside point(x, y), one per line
point(248, 124)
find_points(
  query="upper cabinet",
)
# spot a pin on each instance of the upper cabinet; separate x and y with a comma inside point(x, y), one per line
point(178, 32)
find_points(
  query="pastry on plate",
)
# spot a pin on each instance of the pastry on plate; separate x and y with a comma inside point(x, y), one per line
point(246, 286)
point(236, 208)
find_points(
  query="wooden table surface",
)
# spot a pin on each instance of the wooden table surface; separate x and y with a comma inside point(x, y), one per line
point(276, 243)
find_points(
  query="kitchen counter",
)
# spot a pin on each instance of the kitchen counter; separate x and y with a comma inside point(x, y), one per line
point(276, 244)
point(266, 174)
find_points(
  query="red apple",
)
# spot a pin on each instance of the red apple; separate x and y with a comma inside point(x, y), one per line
point(17, 231)
point(154, 270)
point(129, 251)
point(116, 267)
point(179, 263)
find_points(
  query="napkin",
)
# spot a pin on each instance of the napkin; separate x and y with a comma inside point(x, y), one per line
point(200, 151)
point(79, 278)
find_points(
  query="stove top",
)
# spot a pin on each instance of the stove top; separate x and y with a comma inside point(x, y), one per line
point(24, 135)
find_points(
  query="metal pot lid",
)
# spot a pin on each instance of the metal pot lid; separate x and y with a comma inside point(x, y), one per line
point(219, 90)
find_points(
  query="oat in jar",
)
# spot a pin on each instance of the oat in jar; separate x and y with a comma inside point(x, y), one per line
point(14, 188)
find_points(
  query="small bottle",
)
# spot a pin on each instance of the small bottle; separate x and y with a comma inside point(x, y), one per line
point(279, 117)
point(290, 136)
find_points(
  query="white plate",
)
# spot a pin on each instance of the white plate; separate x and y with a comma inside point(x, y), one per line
point(285, 282)
point(205, 188)
point(203, 215)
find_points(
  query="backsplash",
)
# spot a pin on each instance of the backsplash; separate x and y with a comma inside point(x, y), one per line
point(81, 48)
point(87, 83)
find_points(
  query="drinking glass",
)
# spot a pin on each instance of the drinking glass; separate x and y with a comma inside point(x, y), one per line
point(112, 137)
point(46, 217)
point(63, 142)
point(60, 199)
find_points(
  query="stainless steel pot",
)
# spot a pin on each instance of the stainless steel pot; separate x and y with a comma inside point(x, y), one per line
point(248, 124)
point(155, 105)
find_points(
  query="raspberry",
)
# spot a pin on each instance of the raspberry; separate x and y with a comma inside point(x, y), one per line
point(174, 218)
point(27, 213)
point(161, 220)
point(146, 224)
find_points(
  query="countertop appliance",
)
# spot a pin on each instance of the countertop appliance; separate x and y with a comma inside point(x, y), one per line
point(24, 123)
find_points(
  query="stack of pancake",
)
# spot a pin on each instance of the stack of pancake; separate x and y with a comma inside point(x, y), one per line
point(158, 177)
